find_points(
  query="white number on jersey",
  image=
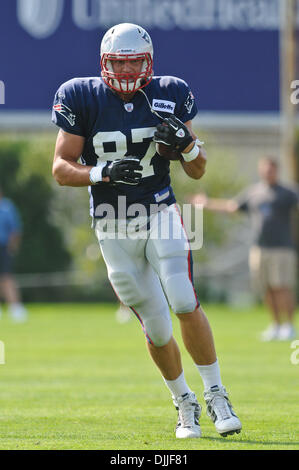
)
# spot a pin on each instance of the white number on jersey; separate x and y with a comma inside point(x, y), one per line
point(121, 148)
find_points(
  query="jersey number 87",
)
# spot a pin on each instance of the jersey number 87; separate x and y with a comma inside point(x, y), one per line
point(121, 147)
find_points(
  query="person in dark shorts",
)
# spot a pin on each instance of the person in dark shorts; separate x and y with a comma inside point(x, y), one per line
point(10, 236)
point(272, 258)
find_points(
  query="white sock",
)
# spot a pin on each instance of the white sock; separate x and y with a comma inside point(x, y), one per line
point(178, 386)
point(210, 375)
point(18, 311)
point(16, 307)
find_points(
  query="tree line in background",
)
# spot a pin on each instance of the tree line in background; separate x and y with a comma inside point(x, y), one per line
point(25, 181)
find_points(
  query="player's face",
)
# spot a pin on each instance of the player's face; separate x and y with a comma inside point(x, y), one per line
point(127, 66)
point(126, 72)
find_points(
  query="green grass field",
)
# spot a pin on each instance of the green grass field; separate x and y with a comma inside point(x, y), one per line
point(74, 378)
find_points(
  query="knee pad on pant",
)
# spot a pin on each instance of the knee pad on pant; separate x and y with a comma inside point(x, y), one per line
point(159, 331)
point(174, 267)
point(126, 287)
point(180, 293)
point(156, 326)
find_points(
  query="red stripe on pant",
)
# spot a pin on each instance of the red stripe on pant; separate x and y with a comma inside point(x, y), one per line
point(143, 327)
point(141, 322)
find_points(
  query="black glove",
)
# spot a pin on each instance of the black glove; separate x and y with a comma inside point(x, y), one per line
point(174, 133)
point(123, 171)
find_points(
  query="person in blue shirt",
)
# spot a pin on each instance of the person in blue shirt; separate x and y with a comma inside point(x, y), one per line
point(10, 236)
point(125, 127)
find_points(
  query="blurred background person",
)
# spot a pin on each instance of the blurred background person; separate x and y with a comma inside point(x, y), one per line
point(10, 237)
point(272, 257)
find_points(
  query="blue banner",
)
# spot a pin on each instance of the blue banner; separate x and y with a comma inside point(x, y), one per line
point(227, 50)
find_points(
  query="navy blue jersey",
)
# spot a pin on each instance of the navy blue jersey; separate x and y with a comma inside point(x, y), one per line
point(114, 129)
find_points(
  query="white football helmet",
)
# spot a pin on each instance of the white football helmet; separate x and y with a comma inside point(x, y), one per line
point(126, 41)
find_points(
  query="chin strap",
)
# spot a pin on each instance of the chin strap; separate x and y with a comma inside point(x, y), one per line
point(150, 106)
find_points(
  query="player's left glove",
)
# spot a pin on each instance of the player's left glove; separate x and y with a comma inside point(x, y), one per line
point(174, 133)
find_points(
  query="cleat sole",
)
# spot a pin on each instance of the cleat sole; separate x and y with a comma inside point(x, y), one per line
point(230, 433)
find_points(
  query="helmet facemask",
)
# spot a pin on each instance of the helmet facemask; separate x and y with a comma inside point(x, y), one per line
point(126, 82)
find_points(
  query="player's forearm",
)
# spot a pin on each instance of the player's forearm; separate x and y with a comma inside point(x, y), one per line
point(196, 168)
point(70, 173)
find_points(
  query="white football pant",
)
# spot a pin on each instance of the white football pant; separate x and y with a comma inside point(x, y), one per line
point(151, 270)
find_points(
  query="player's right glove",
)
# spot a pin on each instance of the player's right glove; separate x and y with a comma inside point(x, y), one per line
point(126, 170)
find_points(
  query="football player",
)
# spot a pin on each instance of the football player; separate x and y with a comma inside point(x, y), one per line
point(126, 126)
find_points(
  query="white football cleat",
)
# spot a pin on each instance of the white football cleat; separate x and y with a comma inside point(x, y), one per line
point(286, 332)
point(271, 333)
point(189, 412)
point(220, 410)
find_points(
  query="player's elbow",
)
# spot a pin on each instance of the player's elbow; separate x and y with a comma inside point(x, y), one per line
point(57, 174)
point(197, 172)
point(200, 167)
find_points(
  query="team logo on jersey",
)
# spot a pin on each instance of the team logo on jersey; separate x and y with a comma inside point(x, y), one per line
point(129, 107)
point(163, 105)
point(66, 112)
point(189, 102)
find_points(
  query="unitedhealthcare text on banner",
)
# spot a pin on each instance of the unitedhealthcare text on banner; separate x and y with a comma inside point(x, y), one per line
point(227, 50)
point(41, 18)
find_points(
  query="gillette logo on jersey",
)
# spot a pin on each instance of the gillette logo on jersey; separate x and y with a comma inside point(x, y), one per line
point(163, 105)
